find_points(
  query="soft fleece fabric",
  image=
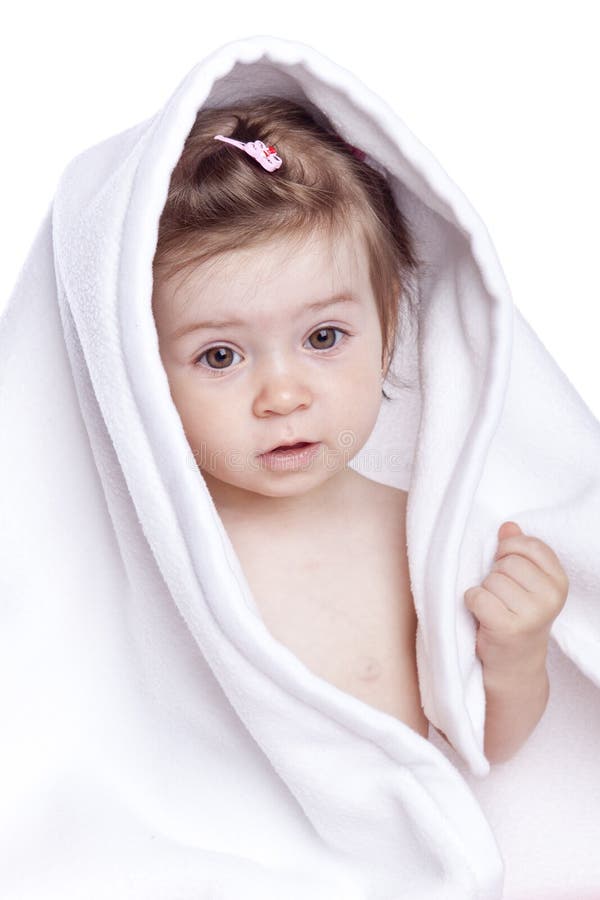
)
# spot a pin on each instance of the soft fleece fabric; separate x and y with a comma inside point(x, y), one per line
point(159, 743)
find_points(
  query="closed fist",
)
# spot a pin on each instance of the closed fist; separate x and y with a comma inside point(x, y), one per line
point(517, 602)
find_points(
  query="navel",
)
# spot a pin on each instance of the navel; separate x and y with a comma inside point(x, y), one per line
point(369, 669)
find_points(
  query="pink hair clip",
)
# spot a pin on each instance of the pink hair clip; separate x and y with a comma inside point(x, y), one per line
point(360, 154)
point(266, 156)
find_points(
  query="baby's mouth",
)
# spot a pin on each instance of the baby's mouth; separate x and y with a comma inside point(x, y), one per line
point(283, 448)
point(288, 457)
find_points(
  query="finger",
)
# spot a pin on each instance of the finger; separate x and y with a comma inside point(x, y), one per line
point(521, 602)
point(531, 548)
point(523, 571)
point(488, 609)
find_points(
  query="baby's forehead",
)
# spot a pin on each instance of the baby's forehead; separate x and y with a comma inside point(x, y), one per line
point(294, 269)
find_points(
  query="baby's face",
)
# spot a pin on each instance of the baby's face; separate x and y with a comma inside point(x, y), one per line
point(283, 371)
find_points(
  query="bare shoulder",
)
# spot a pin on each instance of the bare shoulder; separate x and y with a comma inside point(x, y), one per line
point(375, 486)
point(385, 502)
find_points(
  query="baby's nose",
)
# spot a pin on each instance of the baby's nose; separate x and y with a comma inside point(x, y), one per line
point(282, 393)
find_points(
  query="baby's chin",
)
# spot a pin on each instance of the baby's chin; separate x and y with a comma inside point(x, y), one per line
point(260, 486)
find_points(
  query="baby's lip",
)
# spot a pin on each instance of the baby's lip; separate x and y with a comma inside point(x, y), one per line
point(287, 444)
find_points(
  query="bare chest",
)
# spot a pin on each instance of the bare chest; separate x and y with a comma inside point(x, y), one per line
point(345, 609)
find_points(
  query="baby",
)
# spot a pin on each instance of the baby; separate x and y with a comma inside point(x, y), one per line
point(280, 277)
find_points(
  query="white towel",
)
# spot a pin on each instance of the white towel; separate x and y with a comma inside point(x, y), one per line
point(158, 742)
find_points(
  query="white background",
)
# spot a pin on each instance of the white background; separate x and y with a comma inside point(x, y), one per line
point(504, 94)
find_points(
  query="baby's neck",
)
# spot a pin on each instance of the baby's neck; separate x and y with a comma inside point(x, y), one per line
point(236, 505)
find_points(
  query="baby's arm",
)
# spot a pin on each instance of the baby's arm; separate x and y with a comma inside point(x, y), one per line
point(514, 705)
point(515, 606)
point(512, 710)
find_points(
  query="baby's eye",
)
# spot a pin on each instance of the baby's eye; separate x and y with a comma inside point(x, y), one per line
point(219, 354)
point(322, 341)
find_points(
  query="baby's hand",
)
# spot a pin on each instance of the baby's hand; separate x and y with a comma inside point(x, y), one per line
point(516, 604)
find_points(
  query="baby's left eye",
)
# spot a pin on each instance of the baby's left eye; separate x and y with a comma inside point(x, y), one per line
point(322, 340)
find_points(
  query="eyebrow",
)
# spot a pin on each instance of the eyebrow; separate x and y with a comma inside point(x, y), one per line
point(226, 323)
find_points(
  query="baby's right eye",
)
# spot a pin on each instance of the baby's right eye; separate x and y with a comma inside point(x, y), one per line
point(217, 355)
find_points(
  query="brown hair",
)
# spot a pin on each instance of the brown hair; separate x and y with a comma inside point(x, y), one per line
point(219, 197)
